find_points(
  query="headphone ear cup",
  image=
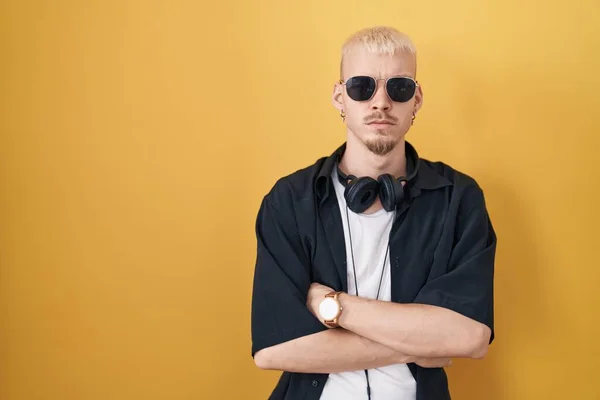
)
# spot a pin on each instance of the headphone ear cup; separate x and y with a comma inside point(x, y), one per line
point(361, 193)
point(391, 192)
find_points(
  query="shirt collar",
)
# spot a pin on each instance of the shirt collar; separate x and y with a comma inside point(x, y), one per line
point(421, 175)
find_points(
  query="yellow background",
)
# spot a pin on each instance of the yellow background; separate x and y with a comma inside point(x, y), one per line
point(138, 137)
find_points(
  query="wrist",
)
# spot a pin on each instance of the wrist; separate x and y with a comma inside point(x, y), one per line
point(344, 299)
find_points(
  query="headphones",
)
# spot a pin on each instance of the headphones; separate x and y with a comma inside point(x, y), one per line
point(360, 193)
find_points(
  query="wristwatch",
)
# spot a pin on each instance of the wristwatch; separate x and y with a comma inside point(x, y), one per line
point(330, 309)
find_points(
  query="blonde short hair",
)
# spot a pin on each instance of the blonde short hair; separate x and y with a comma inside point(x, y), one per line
point(378, 40)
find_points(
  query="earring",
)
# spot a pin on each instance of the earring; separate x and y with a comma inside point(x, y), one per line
point(413, 118)
point(343, 116)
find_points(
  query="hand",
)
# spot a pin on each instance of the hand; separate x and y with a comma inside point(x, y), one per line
point(316, 294)
point(433, 362)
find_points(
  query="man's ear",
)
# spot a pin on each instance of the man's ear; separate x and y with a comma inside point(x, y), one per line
point(337, 97)
point(418, 98)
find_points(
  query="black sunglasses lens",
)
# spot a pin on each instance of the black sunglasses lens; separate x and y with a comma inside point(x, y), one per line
point(360, 88)
point(401, 89)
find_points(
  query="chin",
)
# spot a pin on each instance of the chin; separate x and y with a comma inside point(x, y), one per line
point(381, 145)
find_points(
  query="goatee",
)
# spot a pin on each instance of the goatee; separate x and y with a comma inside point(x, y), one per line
point(381, 146)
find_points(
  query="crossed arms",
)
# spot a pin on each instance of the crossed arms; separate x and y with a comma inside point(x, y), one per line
point(375, 334)
point(450, 318)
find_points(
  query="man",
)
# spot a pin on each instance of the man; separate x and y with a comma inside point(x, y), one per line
point(374, 267)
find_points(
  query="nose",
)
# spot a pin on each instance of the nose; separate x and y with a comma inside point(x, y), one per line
point(380, 99)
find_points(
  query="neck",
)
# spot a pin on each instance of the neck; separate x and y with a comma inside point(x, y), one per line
point(358, 160)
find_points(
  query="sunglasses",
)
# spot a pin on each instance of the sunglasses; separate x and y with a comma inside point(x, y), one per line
point(362, 88)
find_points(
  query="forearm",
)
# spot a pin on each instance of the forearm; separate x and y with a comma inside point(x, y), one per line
point(330, 351)
point(416, 329)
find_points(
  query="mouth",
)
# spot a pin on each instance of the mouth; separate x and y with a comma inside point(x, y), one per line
point(381, 123)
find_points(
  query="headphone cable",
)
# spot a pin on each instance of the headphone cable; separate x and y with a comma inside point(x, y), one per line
point(356, 284)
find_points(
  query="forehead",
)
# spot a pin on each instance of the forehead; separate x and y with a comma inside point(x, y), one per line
point(360, 61)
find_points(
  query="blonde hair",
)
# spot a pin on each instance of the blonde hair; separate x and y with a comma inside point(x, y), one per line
point(378, 40)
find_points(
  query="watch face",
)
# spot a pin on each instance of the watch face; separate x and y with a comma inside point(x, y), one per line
point(329, 309)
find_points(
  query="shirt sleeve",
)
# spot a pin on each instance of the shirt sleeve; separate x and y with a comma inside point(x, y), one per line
point(467, 287)
point(281, 281)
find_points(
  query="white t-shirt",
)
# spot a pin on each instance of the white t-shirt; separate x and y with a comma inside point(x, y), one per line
point(370, 234)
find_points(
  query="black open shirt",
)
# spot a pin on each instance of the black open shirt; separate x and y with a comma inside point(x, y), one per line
point(442, 251)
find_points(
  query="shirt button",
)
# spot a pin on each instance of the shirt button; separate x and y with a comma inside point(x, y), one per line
point(315, 383)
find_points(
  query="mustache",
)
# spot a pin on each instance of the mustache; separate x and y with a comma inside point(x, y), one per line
point(378, 116)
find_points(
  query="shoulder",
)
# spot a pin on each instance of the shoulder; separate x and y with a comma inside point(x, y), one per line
point(457, 177)
point(296, 187)
point(462, 186)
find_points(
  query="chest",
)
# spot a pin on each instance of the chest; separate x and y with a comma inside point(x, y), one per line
point(416, 254)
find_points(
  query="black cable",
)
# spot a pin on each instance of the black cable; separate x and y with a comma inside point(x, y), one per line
point(356, 284)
